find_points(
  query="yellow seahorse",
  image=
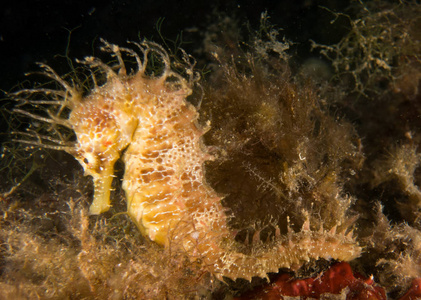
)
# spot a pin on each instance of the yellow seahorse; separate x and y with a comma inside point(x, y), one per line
point(147, 115)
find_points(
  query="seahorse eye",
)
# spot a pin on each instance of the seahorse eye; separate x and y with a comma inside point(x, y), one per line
point(89, 161)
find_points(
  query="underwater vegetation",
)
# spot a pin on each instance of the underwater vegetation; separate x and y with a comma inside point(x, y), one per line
point(148, 180)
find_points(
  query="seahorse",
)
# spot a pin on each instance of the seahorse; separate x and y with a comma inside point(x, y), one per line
point(143, 118)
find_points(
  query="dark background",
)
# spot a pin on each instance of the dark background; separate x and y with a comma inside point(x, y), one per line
point(39, 30)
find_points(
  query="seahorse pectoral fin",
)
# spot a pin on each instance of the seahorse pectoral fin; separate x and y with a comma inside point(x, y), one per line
point(102, 189)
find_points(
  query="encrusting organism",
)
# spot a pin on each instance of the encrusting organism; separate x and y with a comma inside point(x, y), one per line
point(145, 114)
point(335, 283)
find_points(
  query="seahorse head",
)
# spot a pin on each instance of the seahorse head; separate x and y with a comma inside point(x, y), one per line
point(104, 126)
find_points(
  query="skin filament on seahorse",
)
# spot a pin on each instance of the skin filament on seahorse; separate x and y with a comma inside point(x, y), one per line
point(147, 115)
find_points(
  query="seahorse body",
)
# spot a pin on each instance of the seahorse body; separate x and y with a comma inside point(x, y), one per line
point(163, 177)
point(166, 192)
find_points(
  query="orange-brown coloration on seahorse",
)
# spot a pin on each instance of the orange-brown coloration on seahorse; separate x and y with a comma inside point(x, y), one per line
point(166, 191)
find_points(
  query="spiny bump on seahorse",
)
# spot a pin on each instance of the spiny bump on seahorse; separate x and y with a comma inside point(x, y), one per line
point(144, 119)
